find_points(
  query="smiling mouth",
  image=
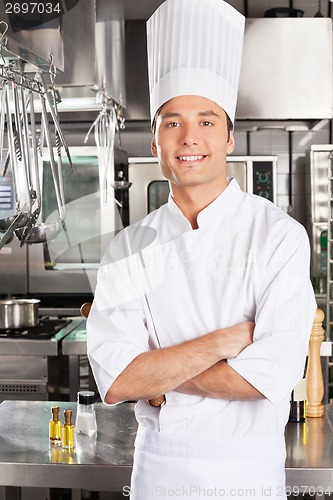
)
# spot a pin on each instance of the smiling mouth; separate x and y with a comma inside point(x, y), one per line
point(191, 158)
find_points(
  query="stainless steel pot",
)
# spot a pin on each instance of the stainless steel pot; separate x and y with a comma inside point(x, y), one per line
point(19, 313)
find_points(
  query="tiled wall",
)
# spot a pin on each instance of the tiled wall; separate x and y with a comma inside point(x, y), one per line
point(276, 142)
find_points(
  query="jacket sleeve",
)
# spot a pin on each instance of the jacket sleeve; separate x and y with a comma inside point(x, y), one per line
point(286, 306)
point(116, 327)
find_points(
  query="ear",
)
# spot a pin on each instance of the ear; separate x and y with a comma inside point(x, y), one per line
point(153, 147)
point(231, 143)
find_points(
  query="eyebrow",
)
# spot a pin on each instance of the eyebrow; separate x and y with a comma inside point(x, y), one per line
point(209, 113)
point(200, 113)
point(169, 115)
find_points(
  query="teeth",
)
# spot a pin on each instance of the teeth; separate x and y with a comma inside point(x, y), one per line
point(190, 158)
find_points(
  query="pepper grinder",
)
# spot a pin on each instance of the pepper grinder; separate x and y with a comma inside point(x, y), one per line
point(85, 414)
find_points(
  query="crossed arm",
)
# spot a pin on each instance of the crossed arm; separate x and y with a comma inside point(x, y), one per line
point(197, 366)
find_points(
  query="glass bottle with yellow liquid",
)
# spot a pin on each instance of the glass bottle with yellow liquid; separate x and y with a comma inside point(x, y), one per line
point(55, 427)
point(68, 438)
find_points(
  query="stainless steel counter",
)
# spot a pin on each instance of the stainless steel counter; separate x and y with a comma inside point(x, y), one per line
point(26, 459)
point(310, 453)
point(104, 464)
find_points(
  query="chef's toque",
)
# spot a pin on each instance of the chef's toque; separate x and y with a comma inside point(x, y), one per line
point(195, 48)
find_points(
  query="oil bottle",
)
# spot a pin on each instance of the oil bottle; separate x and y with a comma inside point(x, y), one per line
point(55, 427)
point(68, 439)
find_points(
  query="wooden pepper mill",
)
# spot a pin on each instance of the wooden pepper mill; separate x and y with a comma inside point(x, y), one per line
point(314, 374)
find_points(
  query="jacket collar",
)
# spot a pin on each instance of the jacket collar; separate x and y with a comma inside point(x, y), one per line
point(216, 210)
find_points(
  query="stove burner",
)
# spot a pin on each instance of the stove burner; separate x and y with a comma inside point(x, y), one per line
point(46, 329)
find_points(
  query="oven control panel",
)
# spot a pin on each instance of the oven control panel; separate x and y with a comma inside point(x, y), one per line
point(263, 179)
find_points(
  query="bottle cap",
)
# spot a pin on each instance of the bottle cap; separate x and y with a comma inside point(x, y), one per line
point(85, 397)
point(68, 417)
point(55, 410)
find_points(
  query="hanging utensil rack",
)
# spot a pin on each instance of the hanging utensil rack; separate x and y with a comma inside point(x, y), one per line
point(22, 151)
point(10, 75)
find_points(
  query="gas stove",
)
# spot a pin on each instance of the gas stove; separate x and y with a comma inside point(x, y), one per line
point(46, 329)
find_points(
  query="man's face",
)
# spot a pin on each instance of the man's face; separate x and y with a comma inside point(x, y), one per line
point(191, 142)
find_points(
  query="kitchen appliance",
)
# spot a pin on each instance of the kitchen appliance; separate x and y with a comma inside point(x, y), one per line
point(45, 329)
point(150, 190)
point(32, 366)
point(65, 269)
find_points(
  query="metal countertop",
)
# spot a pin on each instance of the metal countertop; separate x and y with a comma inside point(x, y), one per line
point(105, 463)
point(37, 347)
point(76, 342)
point(310, 453)
point(27, 459)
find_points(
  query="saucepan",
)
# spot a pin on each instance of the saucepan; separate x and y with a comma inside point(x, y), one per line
point(19, 313)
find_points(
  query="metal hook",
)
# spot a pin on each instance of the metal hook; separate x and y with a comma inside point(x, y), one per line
point(3, 40)
point(52, 70)
point(3, 34)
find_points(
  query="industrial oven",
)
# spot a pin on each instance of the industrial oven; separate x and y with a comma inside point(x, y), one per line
point(32, 366)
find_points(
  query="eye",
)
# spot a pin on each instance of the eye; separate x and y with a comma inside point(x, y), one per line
point(206, 123)
point(172, 124)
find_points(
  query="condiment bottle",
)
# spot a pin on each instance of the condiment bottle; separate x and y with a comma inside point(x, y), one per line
point(68, 439)
point(298, 402)
point(55, 427)
point(85, 414)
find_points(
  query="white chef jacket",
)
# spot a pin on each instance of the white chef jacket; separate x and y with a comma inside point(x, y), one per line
point(161, 283)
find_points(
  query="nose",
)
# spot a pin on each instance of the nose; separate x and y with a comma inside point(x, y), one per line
point(189, 135)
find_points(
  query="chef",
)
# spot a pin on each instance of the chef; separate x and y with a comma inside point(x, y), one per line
point(203, 309)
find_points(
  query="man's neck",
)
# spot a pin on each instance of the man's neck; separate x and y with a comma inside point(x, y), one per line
point(192, 200)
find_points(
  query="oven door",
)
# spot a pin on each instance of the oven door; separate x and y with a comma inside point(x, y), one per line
point(69, 263)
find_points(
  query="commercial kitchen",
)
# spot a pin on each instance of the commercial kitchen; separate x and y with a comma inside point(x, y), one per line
point(76, 168)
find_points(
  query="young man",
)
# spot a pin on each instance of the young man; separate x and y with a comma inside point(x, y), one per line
point(206, 304)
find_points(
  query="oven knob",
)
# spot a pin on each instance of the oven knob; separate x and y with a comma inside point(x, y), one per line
point(263, 177)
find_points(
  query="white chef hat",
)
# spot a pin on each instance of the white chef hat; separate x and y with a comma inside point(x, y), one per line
point(195, 48)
